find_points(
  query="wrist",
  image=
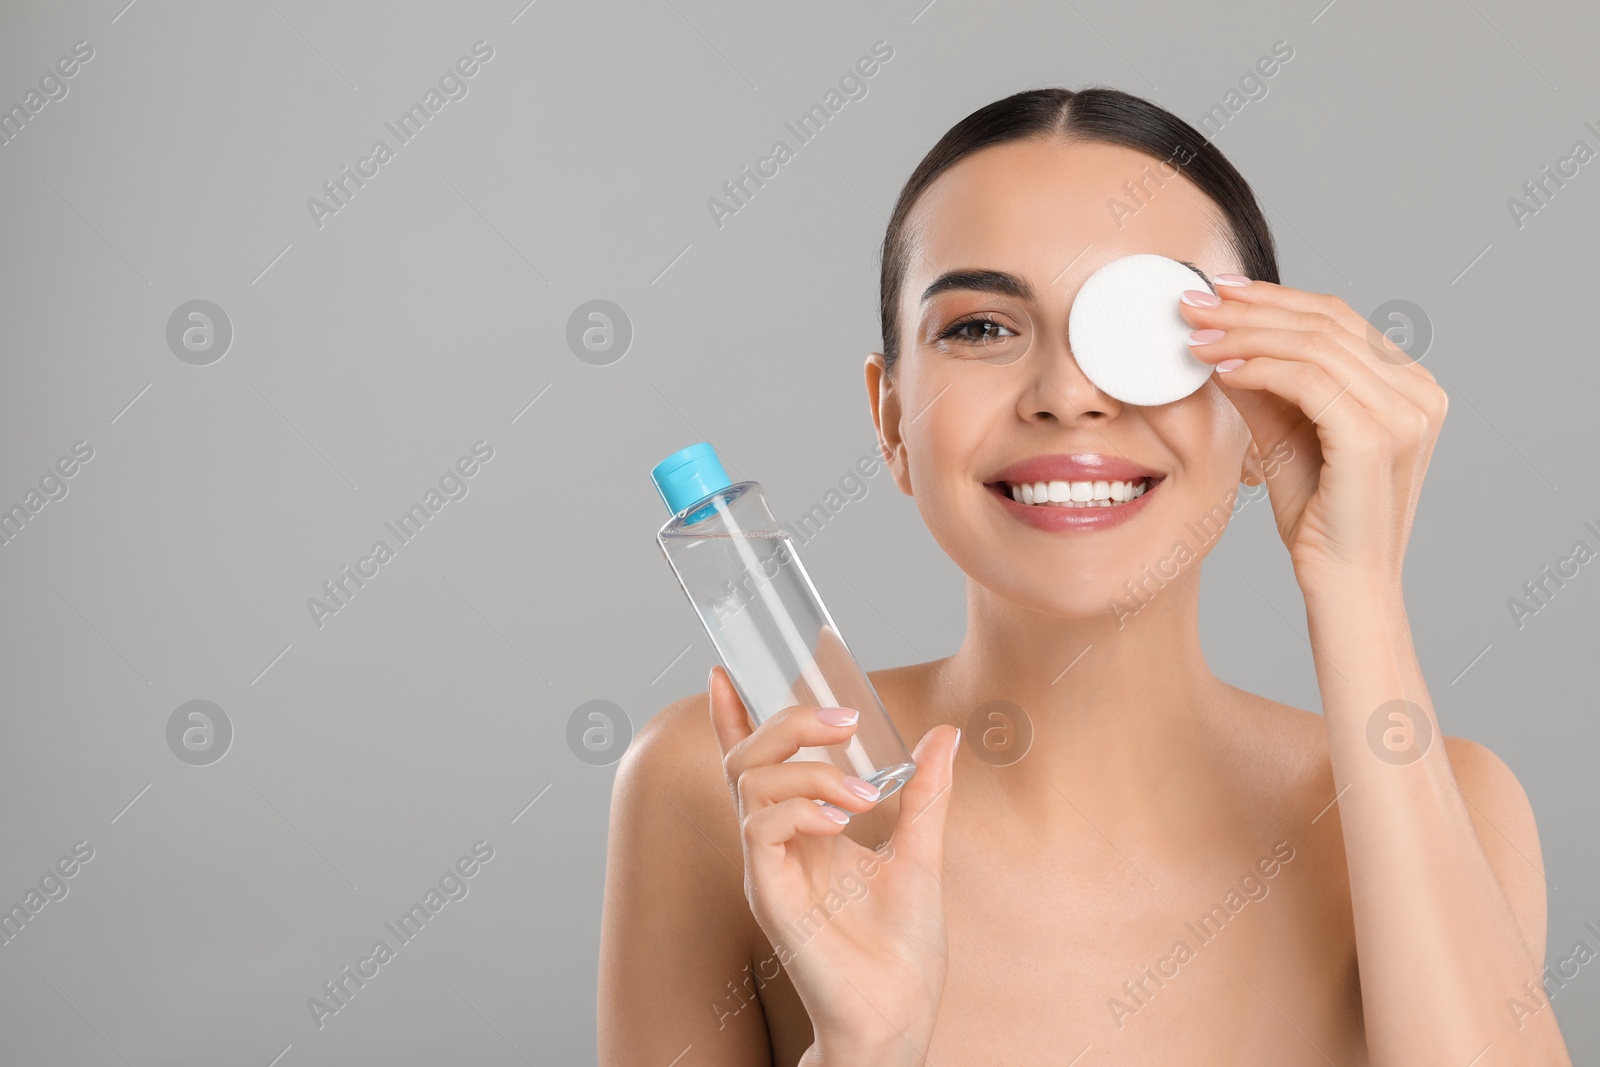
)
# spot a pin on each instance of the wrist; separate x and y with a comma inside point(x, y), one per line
point(1353, 593)
point(901, 1055)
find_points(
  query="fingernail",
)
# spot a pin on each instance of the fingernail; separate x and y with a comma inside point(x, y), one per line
point(834, 813)
point(861, 787)
point(1230, 364)
point(954, 749)
point(1199, 298)
point(1204, 337)
point(838, 716)
point(1231, 279)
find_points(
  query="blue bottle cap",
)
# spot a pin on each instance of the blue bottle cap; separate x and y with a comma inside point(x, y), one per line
point(689, 474)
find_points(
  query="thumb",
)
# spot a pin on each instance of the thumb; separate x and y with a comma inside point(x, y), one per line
point(924, 801)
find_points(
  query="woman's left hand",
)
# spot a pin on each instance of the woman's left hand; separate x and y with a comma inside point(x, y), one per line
point(1360, 416)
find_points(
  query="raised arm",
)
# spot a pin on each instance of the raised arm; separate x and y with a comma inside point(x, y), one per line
point(1446, 881)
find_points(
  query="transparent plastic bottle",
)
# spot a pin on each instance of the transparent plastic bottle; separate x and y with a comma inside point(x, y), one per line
point(780, 646)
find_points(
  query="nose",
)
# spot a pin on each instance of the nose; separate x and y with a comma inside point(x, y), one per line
point(1059, 390)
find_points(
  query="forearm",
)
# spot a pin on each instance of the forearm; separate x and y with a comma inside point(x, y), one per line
point(1440, 952)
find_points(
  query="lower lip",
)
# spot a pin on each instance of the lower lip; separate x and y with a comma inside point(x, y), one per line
point(1055, 518)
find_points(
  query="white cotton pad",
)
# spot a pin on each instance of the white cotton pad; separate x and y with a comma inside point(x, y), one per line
point(1127, 334)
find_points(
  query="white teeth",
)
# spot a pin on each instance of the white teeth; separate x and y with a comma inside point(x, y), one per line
point(1102, 494)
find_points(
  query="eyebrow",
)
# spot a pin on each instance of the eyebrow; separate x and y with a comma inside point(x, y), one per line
point(1004, 283)
point(1200, 272)
point(985, 281)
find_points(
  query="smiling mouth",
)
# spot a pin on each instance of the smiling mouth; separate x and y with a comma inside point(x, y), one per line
point(1060, 494)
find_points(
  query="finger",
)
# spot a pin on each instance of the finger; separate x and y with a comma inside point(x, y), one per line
point(1355, 336)
point(1236, 314)
point(762, 787)
point(795, 727)
point(1421, 403)
point(1270, 294)
point(1384, 355)
point(925, 800)
point(1342, 422)
point(1326, 339)
point(768, 831)
point(729, 719)
point(1315, 348)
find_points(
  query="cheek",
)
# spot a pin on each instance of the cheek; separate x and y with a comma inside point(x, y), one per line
point(1204, 433)
point(941, 456)
point(1225, 422)
point(948, 415)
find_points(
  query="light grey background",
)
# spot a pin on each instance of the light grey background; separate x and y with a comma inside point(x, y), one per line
point(432, 310)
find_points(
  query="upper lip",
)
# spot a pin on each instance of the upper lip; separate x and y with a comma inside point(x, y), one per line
point(1075, 467)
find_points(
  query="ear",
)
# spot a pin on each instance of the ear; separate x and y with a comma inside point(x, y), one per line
point(1250, 472)
point(884, 399)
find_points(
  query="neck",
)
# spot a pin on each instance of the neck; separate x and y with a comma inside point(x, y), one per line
point(1116, 705)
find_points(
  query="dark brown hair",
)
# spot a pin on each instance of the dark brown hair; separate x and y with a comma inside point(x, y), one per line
point(1096, 114)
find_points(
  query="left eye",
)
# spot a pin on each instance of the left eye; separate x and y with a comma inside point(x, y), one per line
point(985, 336)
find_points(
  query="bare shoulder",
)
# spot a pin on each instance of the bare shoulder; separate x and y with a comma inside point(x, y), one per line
point(1486, 781)
point(1503, 817)
point(676, 931)
point(1282, 756)
point(670, 783)
point(677, 747)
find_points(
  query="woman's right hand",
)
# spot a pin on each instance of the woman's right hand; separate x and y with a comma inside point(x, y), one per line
point(870, 971)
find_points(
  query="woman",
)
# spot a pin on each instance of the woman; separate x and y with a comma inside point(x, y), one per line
point(1174, 870)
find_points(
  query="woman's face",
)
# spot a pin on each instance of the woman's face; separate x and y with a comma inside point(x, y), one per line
point(966, 409)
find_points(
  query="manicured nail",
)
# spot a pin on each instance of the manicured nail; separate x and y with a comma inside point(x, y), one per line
point(838, 716)
point(1230, 364)
point(955, 750)
point(861, 787)
point(834, 813)
point(1199, 298)
point(1204, 337)
point(1231, 279)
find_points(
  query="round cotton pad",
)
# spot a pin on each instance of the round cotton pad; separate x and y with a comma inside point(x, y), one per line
point(1127, 334)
